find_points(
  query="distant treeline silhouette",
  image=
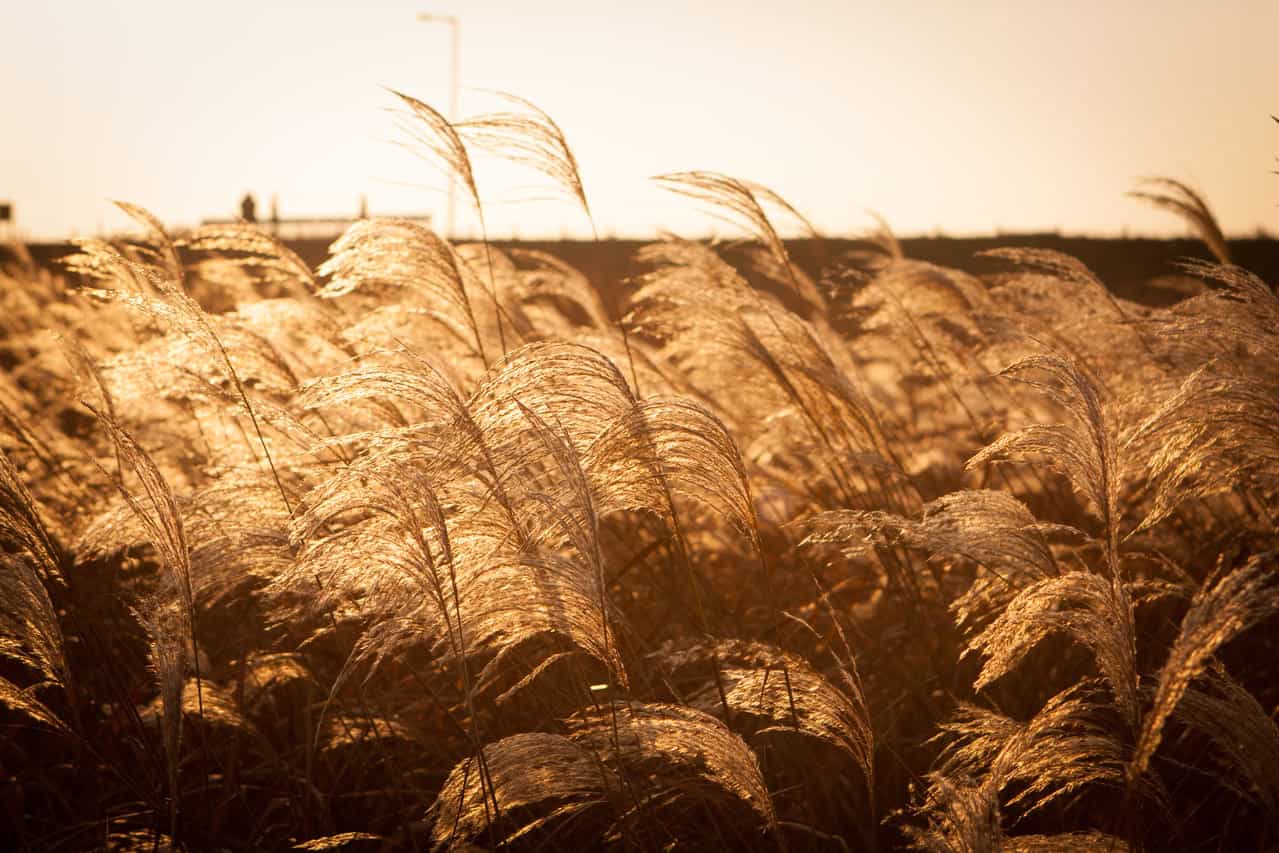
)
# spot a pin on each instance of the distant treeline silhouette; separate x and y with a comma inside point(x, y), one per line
point(1129, 266)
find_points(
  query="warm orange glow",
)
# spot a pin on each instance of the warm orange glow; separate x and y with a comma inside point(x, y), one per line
point(1001, 116)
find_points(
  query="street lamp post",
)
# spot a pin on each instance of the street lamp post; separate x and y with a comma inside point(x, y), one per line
point(454, 27)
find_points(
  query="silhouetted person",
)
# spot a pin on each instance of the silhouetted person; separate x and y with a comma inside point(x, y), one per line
point(248, 208)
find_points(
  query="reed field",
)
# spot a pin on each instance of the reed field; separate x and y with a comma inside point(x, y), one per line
point(447, 546)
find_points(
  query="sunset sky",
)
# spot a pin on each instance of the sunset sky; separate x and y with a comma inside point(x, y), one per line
point(1002, 116)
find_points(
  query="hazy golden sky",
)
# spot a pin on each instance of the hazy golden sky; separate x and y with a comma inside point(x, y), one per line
point(967, 117)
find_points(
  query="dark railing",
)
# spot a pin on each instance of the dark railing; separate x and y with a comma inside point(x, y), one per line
point(311, 227)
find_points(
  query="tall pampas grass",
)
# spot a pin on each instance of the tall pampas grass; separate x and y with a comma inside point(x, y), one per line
point(394, 552)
